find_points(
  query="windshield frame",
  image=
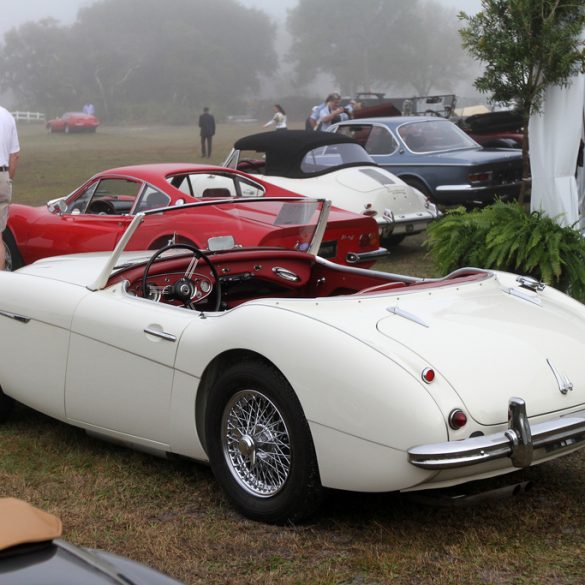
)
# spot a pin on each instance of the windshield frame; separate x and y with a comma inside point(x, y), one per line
point(313, 248)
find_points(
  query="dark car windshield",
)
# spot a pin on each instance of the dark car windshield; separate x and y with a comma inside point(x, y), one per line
point(328, 157)
point(435, 136)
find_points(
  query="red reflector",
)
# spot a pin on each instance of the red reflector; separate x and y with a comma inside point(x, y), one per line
point(457, 419)
point(428, 375)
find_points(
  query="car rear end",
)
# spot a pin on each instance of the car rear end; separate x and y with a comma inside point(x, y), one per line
point(485, 175)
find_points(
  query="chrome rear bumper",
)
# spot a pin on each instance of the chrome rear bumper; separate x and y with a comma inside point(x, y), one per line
point(518, 443)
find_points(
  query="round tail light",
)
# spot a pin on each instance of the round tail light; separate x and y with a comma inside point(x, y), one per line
point(428, 375)
point(457, 419)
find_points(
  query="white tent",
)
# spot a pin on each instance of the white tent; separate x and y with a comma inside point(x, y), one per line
point(554, 136)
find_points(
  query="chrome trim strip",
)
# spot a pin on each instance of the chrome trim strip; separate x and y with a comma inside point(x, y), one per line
point(407, 315)
point(441, 188)
point(15, 316)
point(519, 293)
point(357, 257)
point(563, 381)
point(161, 334)
point(518, 443)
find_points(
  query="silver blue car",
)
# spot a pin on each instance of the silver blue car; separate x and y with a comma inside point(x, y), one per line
point(439, 159)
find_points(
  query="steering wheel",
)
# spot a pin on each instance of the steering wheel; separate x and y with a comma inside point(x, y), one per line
point(191, 288)
point(101, 207)
point(252, 165)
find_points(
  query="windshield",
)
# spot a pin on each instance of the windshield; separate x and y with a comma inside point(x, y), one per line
point(435, 136)
point(335, 155)
point(286, 223)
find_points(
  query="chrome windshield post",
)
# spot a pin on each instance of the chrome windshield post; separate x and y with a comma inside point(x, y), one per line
point(519, 433)
point(320, 229)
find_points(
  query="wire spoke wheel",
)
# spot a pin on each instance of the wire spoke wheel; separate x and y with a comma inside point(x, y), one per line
point(256, 443)
point(259, 444)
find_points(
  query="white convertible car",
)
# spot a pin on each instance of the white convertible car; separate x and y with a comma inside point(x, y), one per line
point(290, 374)
point(335, 166)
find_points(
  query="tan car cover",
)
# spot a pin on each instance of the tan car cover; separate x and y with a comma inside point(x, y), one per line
point(21, 523)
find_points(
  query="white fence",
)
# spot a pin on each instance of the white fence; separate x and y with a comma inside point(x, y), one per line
point(29, 116)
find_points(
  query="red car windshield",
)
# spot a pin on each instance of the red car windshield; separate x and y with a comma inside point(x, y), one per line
point(286, 223)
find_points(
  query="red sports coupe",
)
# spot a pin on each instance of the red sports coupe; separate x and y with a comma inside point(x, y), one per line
point(93, 217)
point(73, 122)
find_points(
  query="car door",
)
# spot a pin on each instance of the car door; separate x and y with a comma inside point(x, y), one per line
point(35, 316)
point(121, 366)
point(96, 216)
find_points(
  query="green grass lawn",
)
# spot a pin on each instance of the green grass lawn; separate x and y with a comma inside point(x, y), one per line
point(171, 515)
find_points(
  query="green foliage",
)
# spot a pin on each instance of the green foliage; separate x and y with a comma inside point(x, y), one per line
point(526, 45)
point(503, 237)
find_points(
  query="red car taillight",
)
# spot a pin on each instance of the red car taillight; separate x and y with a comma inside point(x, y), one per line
point(369, 240)
point(457, 419)
point(482, 177)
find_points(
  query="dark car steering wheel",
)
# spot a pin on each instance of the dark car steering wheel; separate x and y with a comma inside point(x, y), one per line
point(251, 165)
point(190, 288)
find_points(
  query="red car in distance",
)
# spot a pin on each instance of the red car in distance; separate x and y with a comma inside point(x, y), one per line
point(94, 216)
point(73, 122)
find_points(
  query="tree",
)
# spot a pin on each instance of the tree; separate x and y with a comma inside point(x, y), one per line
point(374, 43)
point(527, 46)
point(36, 64)
point(433, 57)
point(142, 55)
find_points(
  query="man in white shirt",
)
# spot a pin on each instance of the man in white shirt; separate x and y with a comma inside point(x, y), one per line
point(328, 113)
point(9, 152)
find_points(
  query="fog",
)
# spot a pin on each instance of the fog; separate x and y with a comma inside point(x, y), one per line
point(135, 65)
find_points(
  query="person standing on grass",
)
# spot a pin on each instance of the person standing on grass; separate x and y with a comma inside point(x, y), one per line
point(207, 125)
point(9, 152)
point(279, 118)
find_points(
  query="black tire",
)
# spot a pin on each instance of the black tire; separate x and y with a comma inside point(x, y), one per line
point(6, 406)
point(269, 471)
point(13, 257)
point(393, 240)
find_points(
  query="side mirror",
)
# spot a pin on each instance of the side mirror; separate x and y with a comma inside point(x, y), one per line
point(57, 206)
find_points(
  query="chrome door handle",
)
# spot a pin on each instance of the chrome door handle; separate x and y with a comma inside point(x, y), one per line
point(15, 316)
point(161, 334)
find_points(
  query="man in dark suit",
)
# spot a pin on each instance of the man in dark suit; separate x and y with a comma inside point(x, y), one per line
point(207, 125)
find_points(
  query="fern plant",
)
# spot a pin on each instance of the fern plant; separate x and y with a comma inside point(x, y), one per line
point(503, 236)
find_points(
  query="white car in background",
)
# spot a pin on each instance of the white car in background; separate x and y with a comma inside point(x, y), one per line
point(322, 164)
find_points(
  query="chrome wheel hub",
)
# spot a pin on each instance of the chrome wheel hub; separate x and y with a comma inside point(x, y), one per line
point(256, 443)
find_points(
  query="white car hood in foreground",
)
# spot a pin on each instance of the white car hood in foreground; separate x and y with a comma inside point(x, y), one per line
point(487, 344)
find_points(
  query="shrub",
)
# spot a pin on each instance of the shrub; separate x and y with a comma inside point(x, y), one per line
point(503, 236)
